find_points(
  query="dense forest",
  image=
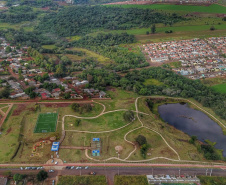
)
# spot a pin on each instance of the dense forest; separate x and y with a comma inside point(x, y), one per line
point(107, 45)
point(174, 85)
point(78, 20)
point(37, 3)
point(34, 39)
point(83, 2)
point(18, 14)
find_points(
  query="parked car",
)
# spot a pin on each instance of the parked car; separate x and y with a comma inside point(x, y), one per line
point(72, 167)
point(86, 167)
point(92, 173)
point(78, 167)
point(52, 161)
point(21, 168)
point(51, 171)
point(56, 162)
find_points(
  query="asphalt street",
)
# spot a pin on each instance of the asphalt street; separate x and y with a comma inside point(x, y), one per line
point(110, 172)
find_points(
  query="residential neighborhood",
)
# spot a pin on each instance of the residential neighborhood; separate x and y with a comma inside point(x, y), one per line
point(19, 72)
point(197, 58)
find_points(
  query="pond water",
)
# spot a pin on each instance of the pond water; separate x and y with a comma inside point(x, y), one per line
point(194, 123)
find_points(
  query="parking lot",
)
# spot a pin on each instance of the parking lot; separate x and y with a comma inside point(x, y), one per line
point(158, 179)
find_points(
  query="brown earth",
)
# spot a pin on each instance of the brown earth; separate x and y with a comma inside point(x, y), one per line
point(20, 108)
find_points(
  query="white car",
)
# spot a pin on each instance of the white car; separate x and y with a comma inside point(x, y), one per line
point(21, 168)
point(56, 162)
point(51, 171)
point(86, 167)
point(77, 168)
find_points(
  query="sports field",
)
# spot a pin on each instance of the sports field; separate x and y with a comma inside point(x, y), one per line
point(46, 122)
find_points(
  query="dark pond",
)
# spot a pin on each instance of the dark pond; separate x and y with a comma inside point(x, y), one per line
point(193, 122)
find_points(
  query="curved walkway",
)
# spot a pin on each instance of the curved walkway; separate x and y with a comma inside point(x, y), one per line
point(142, 126)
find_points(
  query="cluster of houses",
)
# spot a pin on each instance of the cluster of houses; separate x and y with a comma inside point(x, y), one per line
point(202, 67)
point(219, 43)
point(17, 65)
point(176, 50)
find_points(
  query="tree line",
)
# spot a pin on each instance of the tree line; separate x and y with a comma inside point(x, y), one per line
point(78, 20)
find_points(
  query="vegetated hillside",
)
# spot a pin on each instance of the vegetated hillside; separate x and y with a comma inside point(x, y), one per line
point(95, 1)
point(85, 19)
point(18, 14)
point(108, 46)
point(174, 85)
point(37, 3)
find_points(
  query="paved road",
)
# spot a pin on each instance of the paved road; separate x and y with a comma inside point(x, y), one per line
point(110, 172)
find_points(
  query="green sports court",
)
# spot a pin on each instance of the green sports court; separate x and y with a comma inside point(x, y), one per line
point(46, 122)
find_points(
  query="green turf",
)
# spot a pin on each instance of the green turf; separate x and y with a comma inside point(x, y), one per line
point(214, 8)
point(84, 180)
point(46, 122)
point(212, 180)
point(132, 180)
point(142, 31)
point(221, 88)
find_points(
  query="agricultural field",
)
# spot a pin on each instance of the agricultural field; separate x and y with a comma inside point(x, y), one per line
point(214, 8)
point(221, 88)
point(132, 180)
point(85, 180)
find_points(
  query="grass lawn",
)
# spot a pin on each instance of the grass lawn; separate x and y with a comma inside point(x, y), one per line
point(213, 81)
point(105, 122)
point(152, 82)
point(73, 38)
point(49, 46)
point(221, 88)
point(214, 8)
point(101, 59)
point(5, 109)
point(158, 147)
point(108, 143)
point(84, 180)
point(120, 99)
point(142, 31)
point(131, 180)
point(46, 122)
point(205, 180)
point(3, 105)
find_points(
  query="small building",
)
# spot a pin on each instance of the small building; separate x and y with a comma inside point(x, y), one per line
point(55, 146)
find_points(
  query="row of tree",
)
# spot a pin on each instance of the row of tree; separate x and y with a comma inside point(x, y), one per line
point(84, 19)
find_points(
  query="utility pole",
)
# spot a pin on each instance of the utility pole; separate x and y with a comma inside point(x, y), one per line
point(206, 171)
point(179, 172)
point(152, 172)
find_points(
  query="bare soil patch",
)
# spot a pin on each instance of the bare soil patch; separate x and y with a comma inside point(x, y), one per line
point(20, 108)
point(56, 105)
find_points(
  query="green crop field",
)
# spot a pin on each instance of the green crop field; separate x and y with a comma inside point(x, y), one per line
point(46, 123)
point(214, 8)
point(221, 88)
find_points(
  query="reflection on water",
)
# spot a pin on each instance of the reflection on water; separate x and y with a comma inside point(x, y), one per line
point(193, 122)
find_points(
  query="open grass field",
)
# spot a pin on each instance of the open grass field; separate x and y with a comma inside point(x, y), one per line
point(84, 180)
point(152, 82)
point(49, 46)
point(221, 88)
point(205, 180)
point(46, 123)
point(105, 122)
point(101, 59)
point(214, 8)
point(175, 29)
point(131, 180)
